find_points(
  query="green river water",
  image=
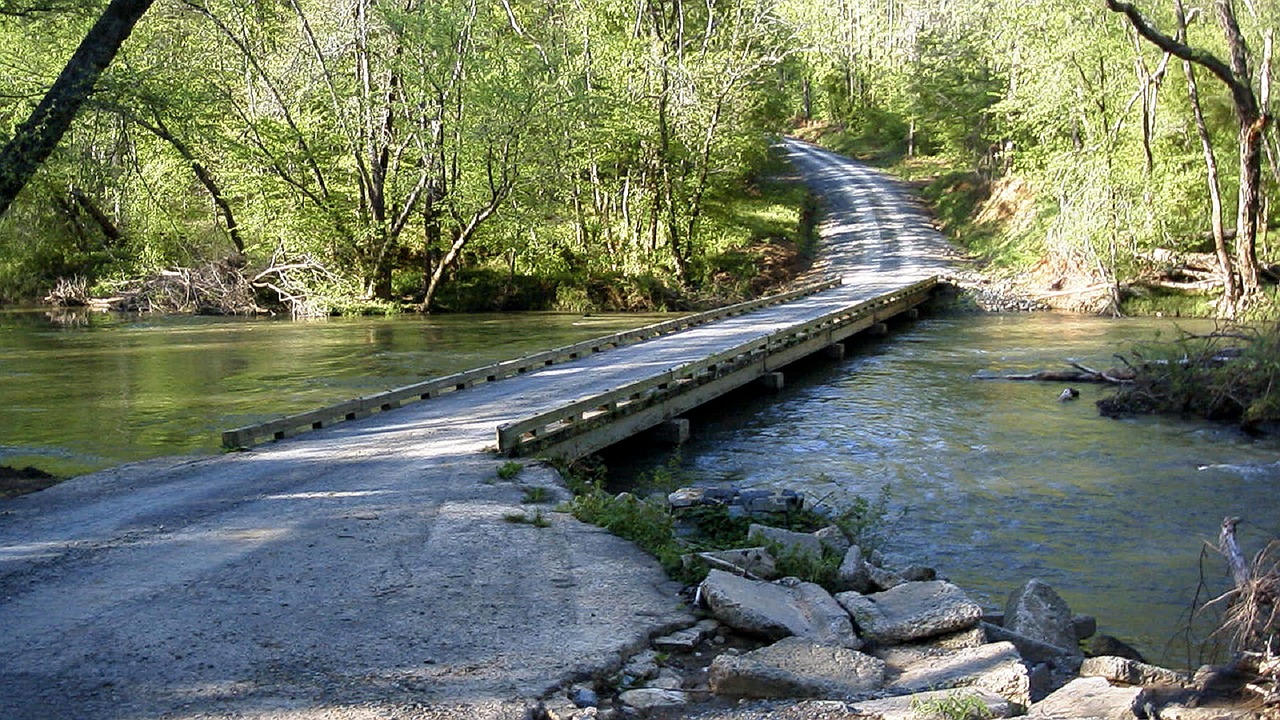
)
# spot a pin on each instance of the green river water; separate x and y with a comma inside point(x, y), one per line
point(991, 482)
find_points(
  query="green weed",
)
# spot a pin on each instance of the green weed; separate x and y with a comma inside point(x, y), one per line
point(509, 470)
point(537, 519)
point(536, 494)
point(954, 706)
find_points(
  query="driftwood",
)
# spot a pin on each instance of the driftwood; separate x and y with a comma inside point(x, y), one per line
point(1080, 374)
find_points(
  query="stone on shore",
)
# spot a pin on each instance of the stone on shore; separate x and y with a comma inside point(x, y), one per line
point(796, 667)
point(645, 699)
point(1088, 699)
point(1036, 611)
point(996, 667)
point(937, 705)
point(776, 610)
point(854, 572)
point(787, 541)
point(754, 560)
point(1033, 650)
point(1130, 672)
point(911, 611)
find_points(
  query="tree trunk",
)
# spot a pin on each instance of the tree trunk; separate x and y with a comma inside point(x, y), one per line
point(40, 133)
point(205, 177)
point(1230, 289)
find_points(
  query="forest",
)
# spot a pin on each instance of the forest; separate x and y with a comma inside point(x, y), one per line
point(324, 156)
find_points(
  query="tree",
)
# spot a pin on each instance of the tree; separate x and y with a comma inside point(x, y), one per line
point(1251, 119)
point(38, 135)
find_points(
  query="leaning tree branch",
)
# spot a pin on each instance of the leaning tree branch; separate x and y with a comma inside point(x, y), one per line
point(1203, 58)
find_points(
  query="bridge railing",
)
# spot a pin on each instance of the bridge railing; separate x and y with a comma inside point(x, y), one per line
point(289, 425)
point(548, 428)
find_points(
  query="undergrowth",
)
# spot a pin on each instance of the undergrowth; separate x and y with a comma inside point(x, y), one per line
point(1229, 375)
point(649, 523)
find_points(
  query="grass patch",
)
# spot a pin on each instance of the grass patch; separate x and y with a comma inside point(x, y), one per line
point(536, 494)
point(953, 706)
point(509, 470)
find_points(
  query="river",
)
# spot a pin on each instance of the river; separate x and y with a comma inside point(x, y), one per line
point(84, 392)
point(995, 482)
point(992, 482)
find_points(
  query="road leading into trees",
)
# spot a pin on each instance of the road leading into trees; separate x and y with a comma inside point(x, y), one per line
point(367, 570)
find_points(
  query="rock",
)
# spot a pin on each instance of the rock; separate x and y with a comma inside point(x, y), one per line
point(788, 541)
point(911, 611)
point(854, 573)
point(834, 539)
point(1108, 645)
point(642, 666)
point(996, 667)
point(884, 579)
point(1036, 611)
point(1182, 712)
point(685, 497)
point(644, 699)
point(796, 667)
point(919, 573)
point(1091, 698)
point(776, 611)
point(685, 640)
point(1033, 650)
point(900, 657)
point(584, 697)
point(936, 705)
point(1130, 672)
point(765, 502)
point(667, 679)
point(1085, 625)
point(757, 561)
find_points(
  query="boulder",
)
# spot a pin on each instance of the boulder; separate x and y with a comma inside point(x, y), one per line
point(911, 611)
point(787, 541)
point(640, 667)
point(1110, 645)
point(883, 579)
point(796, 667)
point(1088, 698)
point(776, 610)
point(645, 699)
point(1036, 611)
point(765, 502)
point(1033, 650)
point(834, 539)
point(1130, 672)
point(755, 560)
point(996, 667)
point(687, 639)
point(974, 703)
point(1086, 626)
point(854, 572)
point(900, 657)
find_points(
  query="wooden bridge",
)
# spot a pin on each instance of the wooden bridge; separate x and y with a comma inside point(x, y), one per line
point(725, 356)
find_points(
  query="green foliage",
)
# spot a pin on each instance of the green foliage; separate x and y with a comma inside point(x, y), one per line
point(509, 470)
point(536, 495)
point(956, 705)
point(1230, 375)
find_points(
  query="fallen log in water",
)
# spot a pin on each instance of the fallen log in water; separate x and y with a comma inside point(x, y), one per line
point(1080, 374)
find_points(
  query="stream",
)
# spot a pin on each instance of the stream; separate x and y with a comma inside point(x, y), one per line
point(992, 482)
point(996, 482)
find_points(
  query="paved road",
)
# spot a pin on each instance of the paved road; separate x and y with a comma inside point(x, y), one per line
point(366, 570)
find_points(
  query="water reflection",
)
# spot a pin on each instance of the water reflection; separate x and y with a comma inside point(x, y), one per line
point(81, 391)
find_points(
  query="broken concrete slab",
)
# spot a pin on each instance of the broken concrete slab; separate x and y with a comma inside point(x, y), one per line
point(1130, 672)
point(911, 611)
point(796, 667)
point(776, 610)
point(996, 667)
point(1090, 698)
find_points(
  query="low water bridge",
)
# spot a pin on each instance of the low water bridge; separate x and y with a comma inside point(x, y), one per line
point(367, 567)
point(628, 391)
